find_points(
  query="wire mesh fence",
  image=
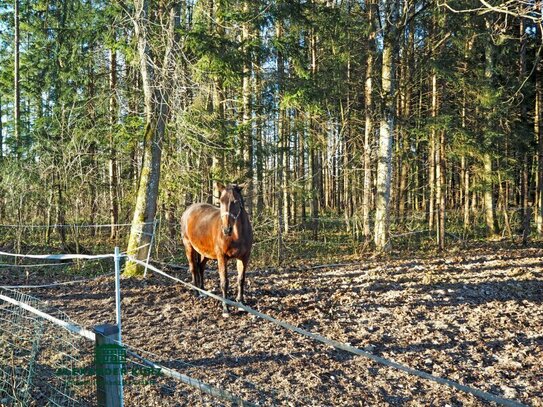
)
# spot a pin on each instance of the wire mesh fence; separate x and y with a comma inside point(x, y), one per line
point(300, 239)
point(331, 236)
point(43, 364)
point(35, 355)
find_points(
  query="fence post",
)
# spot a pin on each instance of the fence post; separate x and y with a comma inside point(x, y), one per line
point(117, 259)
point(150, 247)
point(110, 357)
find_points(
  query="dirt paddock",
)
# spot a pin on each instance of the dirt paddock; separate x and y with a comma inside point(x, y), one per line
point(473, 316)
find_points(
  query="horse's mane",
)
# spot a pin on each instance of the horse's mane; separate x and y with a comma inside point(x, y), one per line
point(238, 189)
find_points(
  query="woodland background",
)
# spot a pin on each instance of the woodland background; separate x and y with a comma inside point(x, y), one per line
point(366, 122)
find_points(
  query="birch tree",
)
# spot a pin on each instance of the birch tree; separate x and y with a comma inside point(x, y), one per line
point(386, 128)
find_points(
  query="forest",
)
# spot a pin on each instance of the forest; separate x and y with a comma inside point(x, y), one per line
point(387, 158)
point(377, 117)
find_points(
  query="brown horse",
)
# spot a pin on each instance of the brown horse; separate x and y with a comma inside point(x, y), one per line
point(218, 233)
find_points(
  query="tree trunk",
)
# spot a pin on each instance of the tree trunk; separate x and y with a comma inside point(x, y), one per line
point(465, 183)
point(313, 160)
point(432, 150)
point(368, 128)
point(301, 173)
point(2, 193)
point(17, 89)
point(260, 190)
point(113, 200)
point(523, 126)
point(386, 132)
point(282, 206)
point(1, 133)
point(247, 110)
point(488, 191)
point(441, 186)
point(154, 73)
point(538, 130)
point(488, 195)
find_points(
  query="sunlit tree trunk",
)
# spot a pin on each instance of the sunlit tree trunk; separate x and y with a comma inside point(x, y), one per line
point(538, 130)
point(113, 201)
point(259, 190)
point(488, 192)
point(386, 130)
point(368, 127)
point(1, 132)
point(217, 105)
point(438, 136)
point(313, 159)
point(464, 163)
point(154, 73)
point(301, 173)
point(247, 109)
point(16, 76)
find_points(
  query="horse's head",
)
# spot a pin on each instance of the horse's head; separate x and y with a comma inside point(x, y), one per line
point(231, 204)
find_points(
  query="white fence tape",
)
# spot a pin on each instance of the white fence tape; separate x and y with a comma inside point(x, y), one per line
point(205, 388)
point(24, 266)
point(15, 287)
point(72, 225)
point(66, 325)
point(338, 345)
point(59, 256)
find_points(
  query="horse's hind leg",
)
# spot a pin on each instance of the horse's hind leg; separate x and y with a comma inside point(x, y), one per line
point(193, 258)
point(201, 270)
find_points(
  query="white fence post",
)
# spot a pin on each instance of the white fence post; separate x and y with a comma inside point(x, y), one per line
point(117, 260)
point(150, 246)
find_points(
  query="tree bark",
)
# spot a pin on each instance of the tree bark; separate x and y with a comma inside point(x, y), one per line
point(247, 109)
point(368, 128)
point(154, 73)
point(488, 191)
point(313, 159)
point(1, 132)
point(17, 89)
point(538, 130)
point(113, 200)
point(386, 131)
point(259, 190)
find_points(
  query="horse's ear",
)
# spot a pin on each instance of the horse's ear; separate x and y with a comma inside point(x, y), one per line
point(242, 187)
point(220, 187)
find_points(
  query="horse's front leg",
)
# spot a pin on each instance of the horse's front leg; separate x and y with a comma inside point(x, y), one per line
point(242, 268)
point(221, 260)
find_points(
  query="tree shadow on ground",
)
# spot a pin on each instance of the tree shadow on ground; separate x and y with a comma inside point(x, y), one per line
point(458, 293)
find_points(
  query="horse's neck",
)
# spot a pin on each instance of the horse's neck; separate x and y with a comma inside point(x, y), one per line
point(241, 221)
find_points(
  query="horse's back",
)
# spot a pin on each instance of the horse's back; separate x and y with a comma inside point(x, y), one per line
point(200, 214)
point(199, 225)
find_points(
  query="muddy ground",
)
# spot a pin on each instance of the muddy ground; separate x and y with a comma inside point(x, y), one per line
point(473, 315)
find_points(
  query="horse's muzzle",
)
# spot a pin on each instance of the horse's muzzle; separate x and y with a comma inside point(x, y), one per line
point(227, 230)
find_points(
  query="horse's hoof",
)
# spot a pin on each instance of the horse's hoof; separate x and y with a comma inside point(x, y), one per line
point(225, 314)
